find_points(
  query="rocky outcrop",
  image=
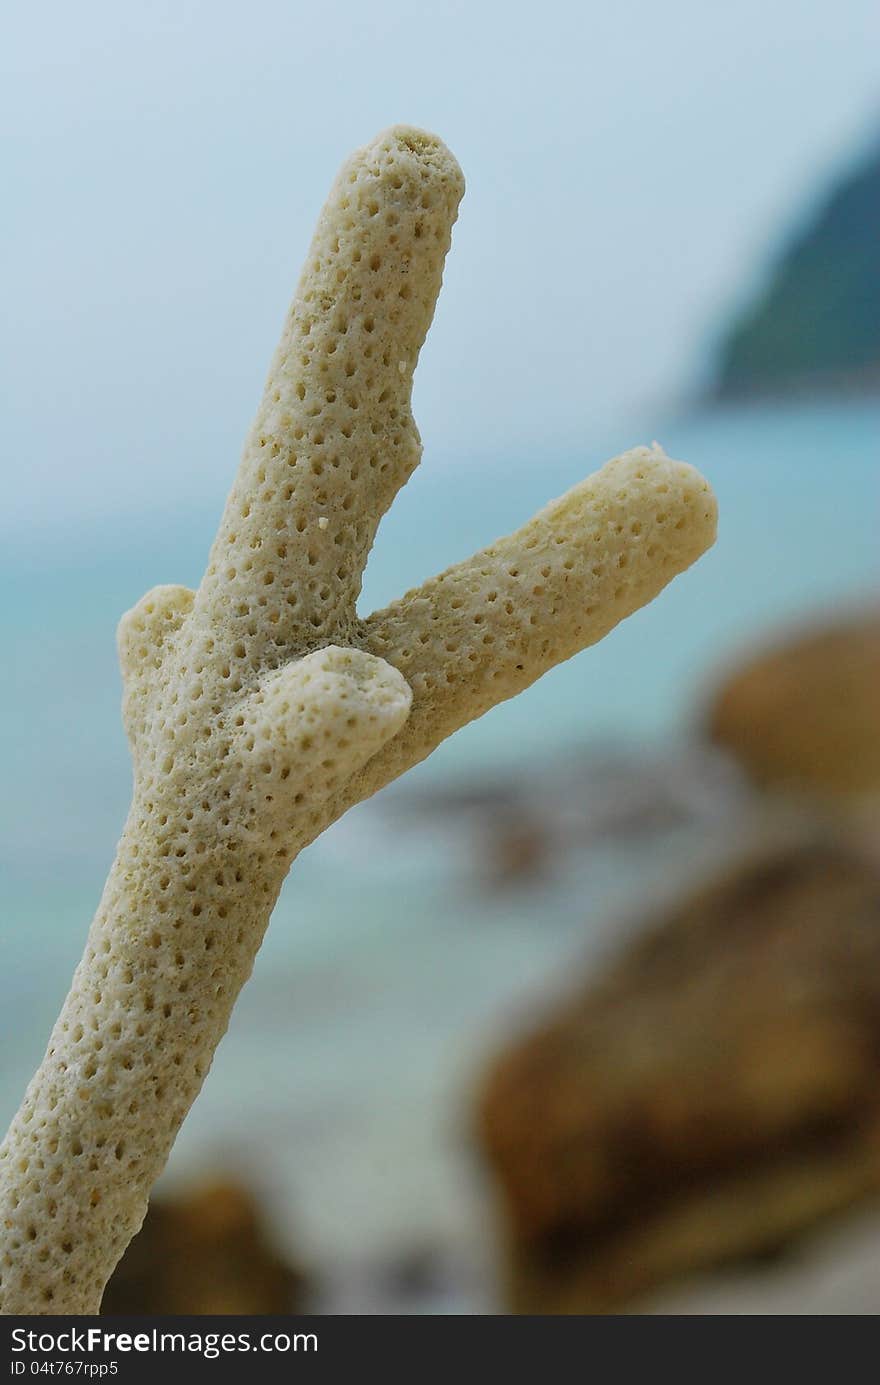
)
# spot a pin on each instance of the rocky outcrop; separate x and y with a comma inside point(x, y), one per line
point(805, 715)
point(207, 1252)
point(817, 323)
point(526, 829)
point(711, 1099)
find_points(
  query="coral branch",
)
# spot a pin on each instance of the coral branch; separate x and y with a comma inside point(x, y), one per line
point(316, 722)
point(259, 708)
point(486, 629)
point(334, 438)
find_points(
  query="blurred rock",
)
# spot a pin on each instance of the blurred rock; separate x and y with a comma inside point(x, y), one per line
point(710, 1100)
point(204, 1253)
point(525, 829)
point(806, 714)
point(816, 323)
point(518, 851)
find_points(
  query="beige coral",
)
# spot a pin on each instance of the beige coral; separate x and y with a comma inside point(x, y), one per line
point(260, 707)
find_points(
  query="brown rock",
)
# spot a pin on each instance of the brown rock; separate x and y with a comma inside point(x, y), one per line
point(806, 715)
point(518, 851)
point(204, 1253)
point(711, 1099)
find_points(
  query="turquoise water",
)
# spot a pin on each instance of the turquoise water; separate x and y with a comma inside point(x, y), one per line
point(379, 984)
point(799, 496)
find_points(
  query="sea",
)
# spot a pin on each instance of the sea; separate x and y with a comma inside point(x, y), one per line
point(397, 962)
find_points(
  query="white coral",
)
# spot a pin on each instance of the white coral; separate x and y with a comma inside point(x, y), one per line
point(260, 707)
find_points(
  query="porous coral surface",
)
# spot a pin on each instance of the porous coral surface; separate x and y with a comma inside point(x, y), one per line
point(260, 707)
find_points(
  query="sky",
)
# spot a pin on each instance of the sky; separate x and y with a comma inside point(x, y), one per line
point(631, 170)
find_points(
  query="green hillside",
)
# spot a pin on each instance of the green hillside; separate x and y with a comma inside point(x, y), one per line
point(817, 324)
